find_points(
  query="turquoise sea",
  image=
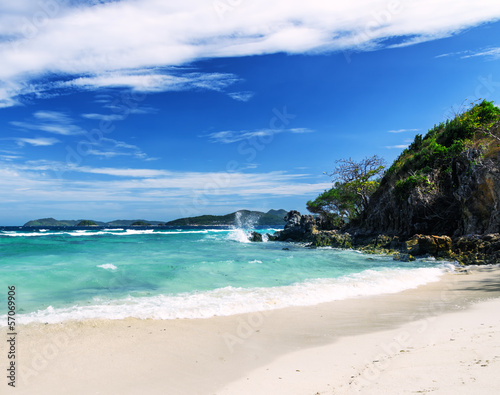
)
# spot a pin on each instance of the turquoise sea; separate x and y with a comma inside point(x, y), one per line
point(172, 273)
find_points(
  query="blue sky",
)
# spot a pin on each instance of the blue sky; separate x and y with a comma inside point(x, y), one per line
point(160, 109)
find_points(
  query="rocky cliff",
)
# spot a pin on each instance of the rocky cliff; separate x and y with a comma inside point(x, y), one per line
point(442, 184)
point(441, 198)
point(465, 200)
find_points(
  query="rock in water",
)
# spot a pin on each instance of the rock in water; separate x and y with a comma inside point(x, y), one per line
point(256, 237)
point(292, 219)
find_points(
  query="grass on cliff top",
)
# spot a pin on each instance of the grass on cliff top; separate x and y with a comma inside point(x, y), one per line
point(448, 140)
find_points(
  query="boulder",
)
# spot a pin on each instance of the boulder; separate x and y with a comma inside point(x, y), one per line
point(477, 249)
point(429, 245)
point(403, 257)
point(331, 238)
point(271, 237)
point(255, 237)
point(292, 219)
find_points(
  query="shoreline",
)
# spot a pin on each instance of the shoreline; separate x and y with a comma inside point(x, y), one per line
point(230, 301)
point(217, 355)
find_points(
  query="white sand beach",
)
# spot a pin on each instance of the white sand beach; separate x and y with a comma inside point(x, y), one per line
point(441, 338)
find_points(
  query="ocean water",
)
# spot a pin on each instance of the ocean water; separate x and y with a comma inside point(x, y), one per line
point(160, 273)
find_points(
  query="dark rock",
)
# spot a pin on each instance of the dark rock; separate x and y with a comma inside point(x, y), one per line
point(256, 237)
point(403, 257)
point(292, 219)
point(330, 238)
point(470, 249)
point(477, 249)
point(293, 230)
point(429, 245)
point(271, 237)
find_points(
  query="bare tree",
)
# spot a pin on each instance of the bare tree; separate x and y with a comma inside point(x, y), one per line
point(361, 178)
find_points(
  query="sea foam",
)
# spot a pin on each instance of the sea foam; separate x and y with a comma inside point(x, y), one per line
point(233, 300)
point(108, 266)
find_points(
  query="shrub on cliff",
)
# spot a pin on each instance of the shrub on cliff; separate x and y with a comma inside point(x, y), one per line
point(448, 140)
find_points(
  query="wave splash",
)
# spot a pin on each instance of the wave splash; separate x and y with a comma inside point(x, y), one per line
point(232, 300)
point(243, 228)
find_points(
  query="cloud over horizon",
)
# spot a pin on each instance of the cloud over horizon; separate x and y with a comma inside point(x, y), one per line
point(45, 183)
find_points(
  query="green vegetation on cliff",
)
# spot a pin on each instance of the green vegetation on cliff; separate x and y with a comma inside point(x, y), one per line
point(445, 183)
point(447, 140)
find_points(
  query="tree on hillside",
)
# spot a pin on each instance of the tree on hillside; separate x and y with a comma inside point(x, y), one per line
point(360, 178)
point(335, 205)
point(354, 183)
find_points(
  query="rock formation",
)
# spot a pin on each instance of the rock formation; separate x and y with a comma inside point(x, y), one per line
point(441, 185)
point(471, 249)
point(463, 200)
point(441, 197)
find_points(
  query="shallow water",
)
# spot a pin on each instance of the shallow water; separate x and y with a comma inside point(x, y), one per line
point(184, 273)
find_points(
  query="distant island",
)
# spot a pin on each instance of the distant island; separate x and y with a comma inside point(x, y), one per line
point(259, 218)
point(86, 222)
point(240, 217)
point(51, 222)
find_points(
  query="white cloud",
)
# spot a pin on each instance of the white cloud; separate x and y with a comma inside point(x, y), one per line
point(241, 96)
point(231, 136)
point(144, 81)
point(104, 117)
point(119, 108)
point(62, 124)
point(400, 146)
point(10, 157)
point(460, 53)
point(493, 53)
point(50, 122)
point(54, 182)
point(127, 172)
point(403, 130)
point(111, 44)
point(110, 148)
point(38, 142)
point(298, 130)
